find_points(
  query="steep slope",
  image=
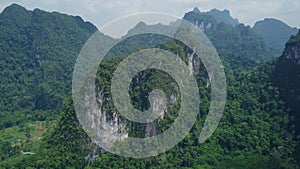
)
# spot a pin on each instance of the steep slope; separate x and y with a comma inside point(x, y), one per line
point(286, 77)
point(37, 52)
point(275, 32)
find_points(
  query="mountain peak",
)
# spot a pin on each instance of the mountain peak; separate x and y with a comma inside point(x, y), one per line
point(14, 8)
point(20, 15)
point(196, 10)
point(217, 15)
point(16, 13)
point(273, 21)
point(215, 11)
point(223, 16)
point(226, 11)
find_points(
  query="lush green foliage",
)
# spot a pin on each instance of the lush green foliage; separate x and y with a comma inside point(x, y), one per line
point(255, 130)
point(38, 51)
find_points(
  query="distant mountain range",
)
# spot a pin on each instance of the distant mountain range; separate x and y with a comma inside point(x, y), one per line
point(274, 32)
point(236, 42)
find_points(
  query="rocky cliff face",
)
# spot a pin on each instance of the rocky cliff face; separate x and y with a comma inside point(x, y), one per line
point(292, 50)
point(110, 127)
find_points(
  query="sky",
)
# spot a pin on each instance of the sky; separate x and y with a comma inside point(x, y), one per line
point(101, 12)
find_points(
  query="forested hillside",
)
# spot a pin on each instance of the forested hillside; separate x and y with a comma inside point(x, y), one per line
point(39, 127)
point(256, 129)
point(38, 51)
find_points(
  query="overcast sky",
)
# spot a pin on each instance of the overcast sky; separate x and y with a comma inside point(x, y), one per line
point(101, 12)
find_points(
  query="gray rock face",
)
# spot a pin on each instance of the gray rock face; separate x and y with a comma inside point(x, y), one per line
point(159, 105)
point(108, 126)
point(292, 52)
